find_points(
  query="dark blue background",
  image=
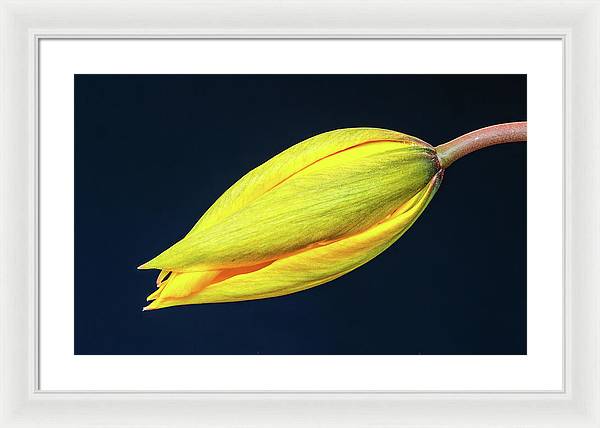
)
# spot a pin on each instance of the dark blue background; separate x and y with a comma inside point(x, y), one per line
point(152, 153)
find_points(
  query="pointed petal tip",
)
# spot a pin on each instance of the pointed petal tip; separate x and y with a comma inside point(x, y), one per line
point(154, 295)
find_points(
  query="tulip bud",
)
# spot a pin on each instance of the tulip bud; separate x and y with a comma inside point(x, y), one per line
point(305, 217)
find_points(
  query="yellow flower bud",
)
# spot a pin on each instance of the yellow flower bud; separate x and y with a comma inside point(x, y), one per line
point(305, 217)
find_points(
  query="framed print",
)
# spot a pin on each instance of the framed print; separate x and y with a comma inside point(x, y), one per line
point(306, 223)
point(282, 320)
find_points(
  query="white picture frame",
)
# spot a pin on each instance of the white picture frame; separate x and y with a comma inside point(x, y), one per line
point(25, 23)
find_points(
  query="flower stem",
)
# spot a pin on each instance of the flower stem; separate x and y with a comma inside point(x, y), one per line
point(451, 151)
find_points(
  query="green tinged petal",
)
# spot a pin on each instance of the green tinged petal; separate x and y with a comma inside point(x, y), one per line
point(280, 167)
point(342, 193)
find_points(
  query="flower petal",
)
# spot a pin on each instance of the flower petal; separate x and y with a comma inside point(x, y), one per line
point(287, 163)
point(186, 283)
point(290, 161)
point(340, 195)
point(181, 285)
point(313, 266)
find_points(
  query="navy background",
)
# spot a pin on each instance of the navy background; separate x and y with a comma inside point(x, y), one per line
point(153, 152)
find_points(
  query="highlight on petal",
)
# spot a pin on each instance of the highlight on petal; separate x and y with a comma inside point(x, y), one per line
point(305, 269)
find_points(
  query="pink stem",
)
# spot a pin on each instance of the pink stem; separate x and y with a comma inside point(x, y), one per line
point(512, 132)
